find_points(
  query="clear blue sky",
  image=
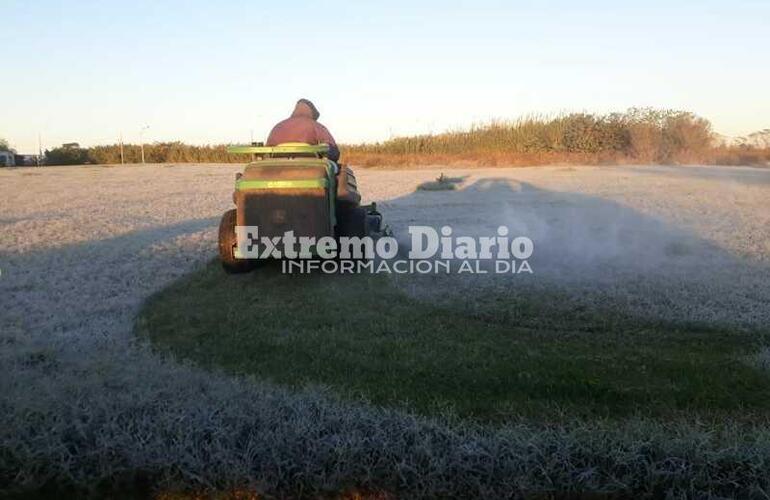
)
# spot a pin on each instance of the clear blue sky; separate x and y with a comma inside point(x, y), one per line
point(212, 71)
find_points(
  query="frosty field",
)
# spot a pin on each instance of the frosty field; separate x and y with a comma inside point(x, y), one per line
point(85, 402)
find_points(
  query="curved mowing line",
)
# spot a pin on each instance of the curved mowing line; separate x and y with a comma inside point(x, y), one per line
point(522, 357)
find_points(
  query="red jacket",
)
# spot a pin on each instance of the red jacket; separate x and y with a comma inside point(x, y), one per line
point(302, 126)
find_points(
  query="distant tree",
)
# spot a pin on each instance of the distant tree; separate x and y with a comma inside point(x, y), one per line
point(66, 156)
point(4, 145)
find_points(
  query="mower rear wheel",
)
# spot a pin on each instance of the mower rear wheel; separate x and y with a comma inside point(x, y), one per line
point(227, 244)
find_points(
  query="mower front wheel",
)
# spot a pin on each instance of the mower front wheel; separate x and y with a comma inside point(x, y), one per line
point(227, 244)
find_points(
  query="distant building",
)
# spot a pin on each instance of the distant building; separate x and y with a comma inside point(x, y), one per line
point(28, 160)
point(71, 145)
point(7, 159)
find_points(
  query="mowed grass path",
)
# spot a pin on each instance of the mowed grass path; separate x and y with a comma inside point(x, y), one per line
point(365, 338)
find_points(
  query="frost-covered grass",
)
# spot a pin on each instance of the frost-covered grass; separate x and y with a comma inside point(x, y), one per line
point(84, 404)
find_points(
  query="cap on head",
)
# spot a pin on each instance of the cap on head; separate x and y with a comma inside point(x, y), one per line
point(309, 104)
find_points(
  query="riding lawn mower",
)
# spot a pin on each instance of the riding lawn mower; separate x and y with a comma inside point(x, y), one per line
point(293, 187)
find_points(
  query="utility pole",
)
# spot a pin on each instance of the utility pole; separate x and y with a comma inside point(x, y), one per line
point(121, 149)
point(141, 140)
point(39, 149)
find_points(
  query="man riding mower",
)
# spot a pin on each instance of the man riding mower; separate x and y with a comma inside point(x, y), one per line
point(296, 187)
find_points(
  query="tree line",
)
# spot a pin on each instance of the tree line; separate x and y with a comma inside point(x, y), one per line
point(639, 135)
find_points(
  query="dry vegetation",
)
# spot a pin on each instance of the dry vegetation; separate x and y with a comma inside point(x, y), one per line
point(159, 152)
point(639, 136)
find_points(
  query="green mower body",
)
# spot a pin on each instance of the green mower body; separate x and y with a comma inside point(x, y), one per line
point(293, 187)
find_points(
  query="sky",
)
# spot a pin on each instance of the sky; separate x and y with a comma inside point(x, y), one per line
point(210, 72)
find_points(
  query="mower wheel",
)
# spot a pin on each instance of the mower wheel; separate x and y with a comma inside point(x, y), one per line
point(227, 243)
point(352, 221)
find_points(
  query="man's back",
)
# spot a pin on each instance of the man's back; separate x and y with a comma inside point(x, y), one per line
point(302, 126)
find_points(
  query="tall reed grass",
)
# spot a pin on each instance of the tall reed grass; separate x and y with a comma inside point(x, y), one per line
point(638, 135)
